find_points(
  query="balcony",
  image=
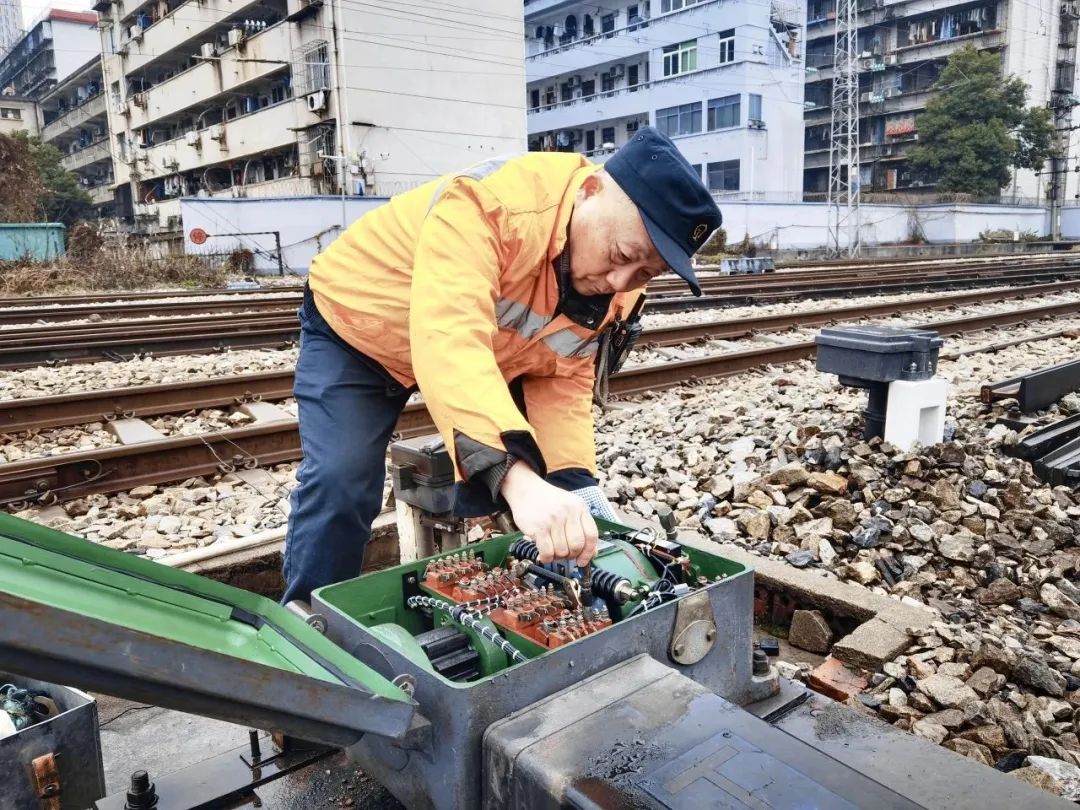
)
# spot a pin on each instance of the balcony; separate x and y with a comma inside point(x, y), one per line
point(97, 151)
point(213, 77)
point(74, 118)
point(941, 49)
point(175, 30)
point(620, 103)
point(625, 42)
point(101, 195)
point(268, 128)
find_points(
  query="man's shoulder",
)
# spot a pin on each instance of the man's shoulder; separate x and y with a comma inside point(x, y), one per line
point(534, 181)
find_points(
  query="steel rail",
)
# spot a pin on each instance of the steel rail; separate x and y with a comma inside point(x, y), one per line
point(113, 469)
point(140, 401)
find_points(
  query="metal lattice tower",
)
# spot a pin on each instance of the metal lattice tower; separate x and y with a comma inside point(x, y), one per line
point(844, 136)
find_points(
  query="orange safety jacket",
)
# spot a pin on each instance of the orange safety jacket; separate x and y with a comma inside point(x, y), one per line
point(452, 286)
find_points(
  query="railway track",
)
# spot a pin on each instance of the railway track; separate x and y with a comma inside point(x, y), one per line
point(277, 327)
point(280, 299)
point(40, 413)
point(121, 467)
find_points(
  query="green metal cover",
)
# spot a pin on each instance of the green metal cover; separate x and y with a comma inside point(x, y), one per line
point(65, 575)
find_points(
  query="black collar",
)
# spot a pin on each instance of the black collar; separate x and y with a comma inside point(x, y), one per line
point(584, 310)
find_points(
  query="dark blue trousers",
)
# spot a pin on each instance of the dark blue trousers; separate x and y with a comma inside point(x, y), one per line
point(348, 409)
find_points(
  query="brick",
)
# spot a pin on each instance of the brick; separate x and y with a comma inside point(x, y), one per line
point(834, 679)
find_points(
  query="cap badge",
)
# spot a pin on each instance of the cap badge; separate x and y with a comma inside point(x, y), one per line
point(699, 232)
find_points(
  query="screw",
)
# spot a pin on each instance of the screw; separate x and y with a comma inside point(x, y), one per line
point(141, 794)
point(710, 635)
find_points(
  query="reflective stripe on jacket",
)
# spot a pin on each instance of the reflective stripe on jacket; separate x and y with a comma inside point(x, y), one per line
point(452, 286)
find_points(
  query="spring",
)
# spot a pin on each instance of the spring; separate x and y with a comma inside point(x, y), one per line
point(525, 549)
point(461, 615)
point(604, 584)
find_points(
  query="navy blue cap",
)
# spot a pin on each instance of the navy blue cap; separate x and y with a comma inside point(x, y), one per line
point(679, 212)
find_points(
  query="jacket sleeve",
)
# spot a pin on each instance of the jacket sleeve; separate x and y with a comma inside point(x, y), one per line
point(560, 410)
point(462, 247)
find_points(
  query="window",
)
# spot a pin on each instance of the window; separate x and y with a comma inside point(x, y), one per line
point(588, 88)
point(680, 58)
point(632, 78)
point(754, 111)
point(697, 169)
point(727, 46)
point(675, 5)
point(549, 96)
point(607, 135)
point(682, 120)
point(607, 25)
point(607, 82)
point(590, 140)
point(724, 112)
point(566, 91)
point(724, 176)
point(11, 112)
point(634, 18)
point(587, 28)
point(313, 71)
point(534, 99)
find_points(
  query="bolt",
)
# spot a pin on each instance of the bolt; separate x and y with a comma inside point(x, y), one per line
point(710, 635)
point(679, 649)
point(141, 794)
point(761, 662)
point(253, 742)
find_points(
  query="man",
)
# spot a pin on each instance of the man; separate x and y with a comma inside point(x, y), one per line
point(488, 290)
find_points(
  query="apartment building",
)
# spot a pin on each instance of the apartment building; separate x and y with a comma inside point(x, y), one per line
point(10, 25)
point(723, 78)
point(298, 97)
point(55, 46)
point(17, 114)
point(903, 47)
point(75, 120)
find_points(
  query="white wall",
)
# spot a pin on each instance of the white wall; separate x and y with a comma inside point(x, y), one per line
point(806, 225)
point(309, 224)
point(306, 224)
point(73, 46)
point(431, 88)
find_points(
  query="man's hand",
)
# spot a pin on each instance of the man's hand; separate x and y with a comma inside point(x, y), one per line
point(558, 522)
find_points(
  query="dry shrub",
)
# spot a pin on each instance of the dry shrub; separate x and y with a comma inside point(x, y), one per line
point(21, 189)
point(113, 264)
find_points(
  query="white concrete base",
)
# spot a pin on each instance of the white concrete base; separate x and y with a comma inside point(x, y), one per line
point(916, 413)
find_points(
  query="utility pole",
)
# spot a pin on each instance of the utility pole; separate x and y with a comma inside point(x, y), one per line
point(844, 219)
point(1062, 102)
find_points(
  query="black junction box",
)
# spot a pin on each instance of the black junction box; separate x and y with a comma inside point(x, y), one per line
point(877, 353)
point(423, 473)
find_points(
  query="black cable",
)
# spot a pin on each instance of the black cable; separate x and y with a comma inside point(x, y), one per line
point(128, 710)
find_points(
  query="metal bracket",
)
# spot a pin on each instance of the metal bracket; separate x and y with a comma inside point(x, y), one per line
point(694, 631)
point(47, 781)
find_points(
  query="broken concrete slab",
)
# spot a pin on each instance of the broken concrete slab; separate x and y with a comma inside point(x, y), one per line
point(871, 644)
point(133, 431)
point(810, 631)
point(263, 412)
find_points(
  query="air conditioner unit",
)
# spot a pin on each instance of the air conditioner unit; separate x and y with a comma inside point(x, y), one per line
point(316, 102)
point(217, 132)
point(120, 107)
point(864, 96)
point(618, 71)
point(890, 59)
point(192, 139)
point(236, 36)
point(867, 64)
point(755, 123)
point(207, 50)
point(136, 32)
point(122, 49)
point(170, 164)
point(140, 154)
point(139, 100)
point(892, 92)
